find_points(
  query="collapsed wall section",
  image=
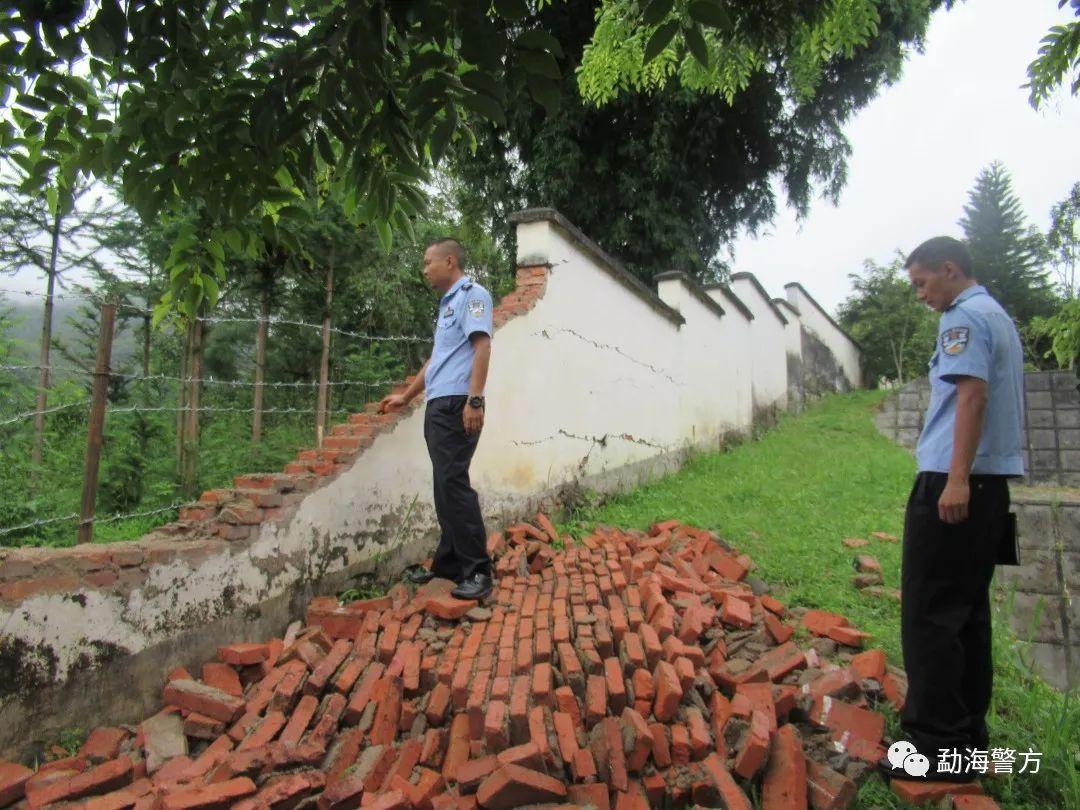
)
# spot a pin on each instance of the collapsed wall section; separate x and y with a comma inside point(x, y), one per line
point(596, 381)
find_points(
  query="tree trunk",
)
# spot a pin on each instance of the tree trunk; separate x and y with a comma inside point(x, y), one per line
point(46, 338)
point(260, 365)
point(324, 360)
point(146, 346)
point(181, 401)
point(190, 478)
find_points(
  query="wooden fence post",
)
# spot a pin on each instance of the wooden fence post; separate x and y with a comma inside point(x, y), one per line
point(96, 427)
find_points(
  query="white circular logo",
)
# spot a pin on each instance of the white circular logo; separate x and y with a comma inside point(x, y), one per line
point(898, 751)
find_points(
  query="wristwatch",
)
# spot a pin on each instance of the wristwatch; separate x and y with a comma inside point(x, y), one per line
point(476, 402)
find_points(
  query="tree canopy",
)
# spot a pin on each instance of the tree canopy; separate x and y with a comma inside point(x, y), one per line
point(1007, 253)
point(666, 171)
point(236, 110)
point(1058, 61)
point(895, 330)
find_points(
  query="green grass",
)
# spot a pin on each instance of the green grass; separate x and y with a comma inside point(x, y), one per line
point(788, 500)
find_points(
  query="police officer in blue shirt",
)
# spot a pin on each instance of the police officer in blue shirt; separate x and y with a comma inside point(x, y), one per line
point(454, 377)
point(957, 510)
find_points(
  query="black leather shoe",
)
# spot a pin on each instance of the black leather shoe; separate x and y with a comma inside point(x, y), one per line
point(419, 576)
point(475, 587)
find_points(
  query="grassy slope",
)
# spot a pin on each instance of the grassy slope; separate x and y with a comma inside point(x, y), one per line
point(788, 500)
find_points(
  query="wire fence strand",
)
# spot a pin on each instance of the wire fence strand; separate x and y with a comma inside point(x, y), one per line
point(75, 517)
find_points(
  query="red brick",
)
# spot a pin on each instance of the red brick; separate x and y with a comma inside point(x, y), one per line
point(638, 740)
point(844, 718)
point(616, 685)
point(973, 802)
point(828, 790)
point(243, 654)
point(700, 740)
point(495, 726)
point(782, 660)
point(848, 636)
point(661, 746)
point(547, 526)
point(921, 793)
point(721, 789)
point(819, 622)
point(199, 697)
point(736, 613)
point(606, 743)
point(384, 729)
point(519, 710)
point(595, 795)
point(784, 785)
point(512, 786)
point(566, 733)
point(669, 692)
point(755, 747)
point(326, 668)
point(542, 684)
point(772, 605)
point(103, 743)
point(527, 756)
point(289, 789)
point(13, 778)
point(447, 607)
point(472, 773)
point(779, 631)
point(680, 744)
point(222, 794)
point(266, 731)
point(869, 664)
point(595, 700)
point(108, 776)
point(223, 677)
point(583, 766)
point(457, 749)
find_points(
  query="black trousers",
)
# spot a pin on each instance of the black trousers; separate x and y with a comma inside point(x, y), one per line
point(945, 614)
point(462, 549)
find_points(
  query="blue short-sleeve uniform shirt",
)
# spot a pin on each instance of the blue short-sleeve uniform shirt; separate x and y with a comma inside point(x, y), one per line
point(464, 310)
point(976, 338)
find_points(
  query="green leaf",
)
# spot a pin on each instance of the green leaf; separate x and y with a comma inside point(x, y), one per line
point(211, 290)
point(386, 236)
point(484, 82)
point(695, 41)
point(710, 14)
point(541, 63)
point(112, 19)
point(32, 102)
point(546, 92)
point(326, 148)
point(538, 40)
point(512, 9)
point(656, 11)
point(233, 239)
point(660, 39)
point(485, 106)
point(440, 139)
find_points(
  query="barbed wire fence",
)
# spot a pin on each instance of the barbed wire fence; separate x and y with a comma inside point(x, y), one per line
point(116, 395)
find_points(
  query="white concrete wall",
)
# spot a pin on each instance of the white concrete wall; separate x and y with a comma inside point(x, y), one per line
point(716, 398)
point(769, 345)
point(814, 318)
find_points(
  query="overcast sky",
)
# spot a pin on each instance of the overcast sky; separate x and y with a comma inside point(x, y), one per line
point(919, 145)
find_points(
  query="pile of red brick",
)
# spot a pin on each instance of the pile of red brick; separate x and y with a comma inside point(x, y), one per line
point(632, 671)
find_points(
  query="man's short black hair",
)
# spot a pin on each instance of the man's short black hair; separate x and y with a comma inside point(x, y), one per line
point(452, 246)
point(935, 252)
